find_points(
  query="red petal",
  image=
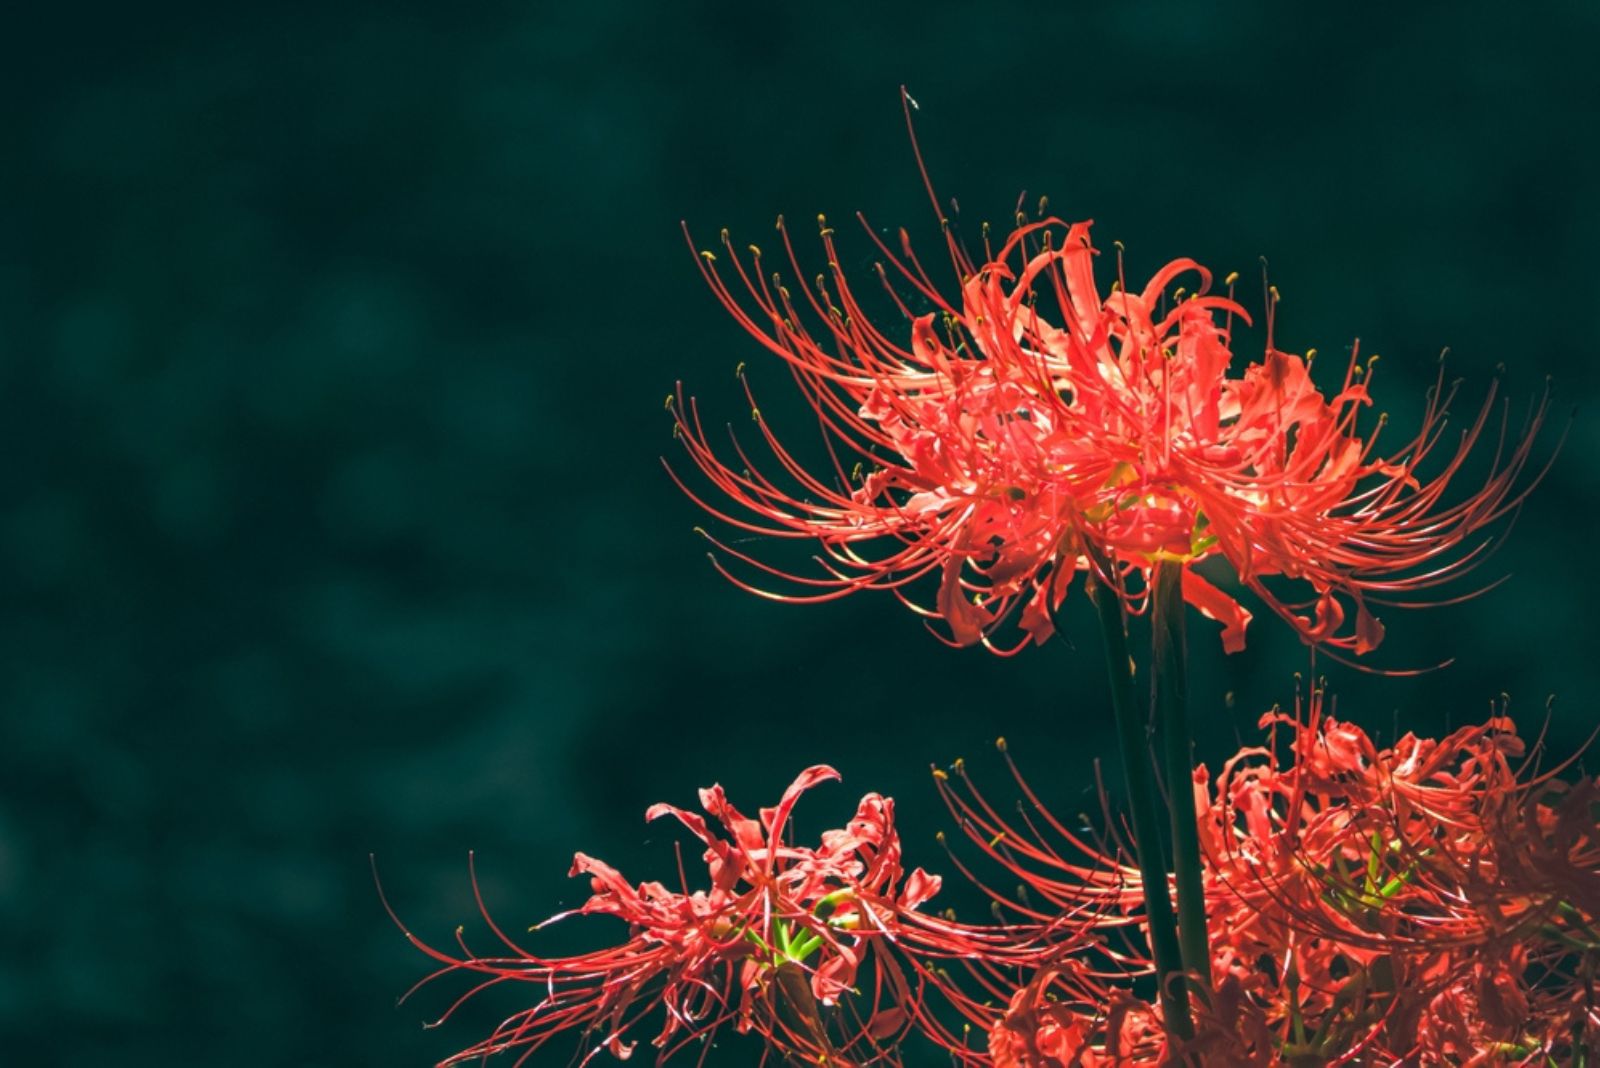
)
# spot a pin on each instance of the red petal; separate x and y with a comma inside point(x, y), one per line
point(1214, 604)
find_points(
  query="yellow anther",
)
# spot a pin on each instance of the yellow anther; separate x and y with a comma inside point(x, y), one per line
point(755, 414)
point(670, 399)
point(755, 250)
point(1233, 276)
point(1000, 744)
point(724, 235)
point(738, 372)
point(710, 257)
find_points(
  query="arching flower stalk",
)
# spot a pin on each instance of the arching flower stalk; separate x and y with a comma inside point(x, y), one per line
point(1434, 903)
point(1031, 425)
point(822, 951)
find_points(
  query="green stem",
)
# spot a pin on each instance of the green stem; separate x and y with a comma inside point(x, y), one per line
point(1169, 699)
point(1142, 806)
point(798, 1012)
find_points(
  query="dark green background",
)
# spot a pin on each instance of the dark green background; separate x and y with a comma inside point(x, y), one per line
point(333, 340)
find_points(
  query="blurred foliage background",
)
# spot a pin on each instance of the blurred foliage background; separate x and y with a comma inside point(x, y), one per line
point(333, 340)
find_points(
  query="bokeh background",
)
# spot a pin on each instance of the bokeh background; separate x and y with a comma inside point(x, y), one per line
point(333, 341)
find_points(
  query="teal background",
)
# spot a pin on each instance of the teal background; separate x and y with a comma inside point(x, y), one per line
point(333, 340)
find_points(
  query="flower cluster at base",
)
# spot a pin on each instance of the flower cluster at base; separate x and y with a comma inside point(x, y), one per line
point(1432, 903)
point(821, 951)
point(1034, 427)
point(1426, 904)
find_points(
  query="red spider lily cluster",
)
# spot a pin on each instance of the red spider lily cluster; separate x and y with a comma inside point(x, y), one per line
point(1432, 903)
point(823, 951)
point(1033, 427)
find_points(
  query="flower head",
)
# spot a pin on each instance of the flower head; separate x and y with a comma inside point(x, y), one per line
point(1433, 902)
point(821, 950)
point(1032, 426)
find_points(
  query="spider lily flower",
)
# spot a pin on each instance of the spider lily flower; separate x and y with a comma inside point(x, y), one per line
point(1433, 902)
point(823, 951)
point(1436, 895)
point(1030, 426)
point(1049, 1024)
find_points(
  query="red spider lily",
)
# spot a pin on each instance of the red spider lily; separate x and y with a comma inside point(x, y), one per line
point(1432, 903)
point(822, 951)
point(1044, 1025)
point(1433, 894)
point(1030, 427)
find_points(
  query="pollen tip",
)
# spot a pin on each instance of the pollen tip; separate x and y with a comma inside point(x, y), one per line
point(1233, 276)
point(940, 774)
point(1000, 744)
point(669, 402)
point(938, 836)
point(738, 372)
point(708, 255)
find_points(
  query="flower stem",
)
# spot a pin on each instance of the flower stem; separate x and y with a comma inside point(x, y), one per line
point(799, 1014)
point(1169, 699)
point(1134, 743)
